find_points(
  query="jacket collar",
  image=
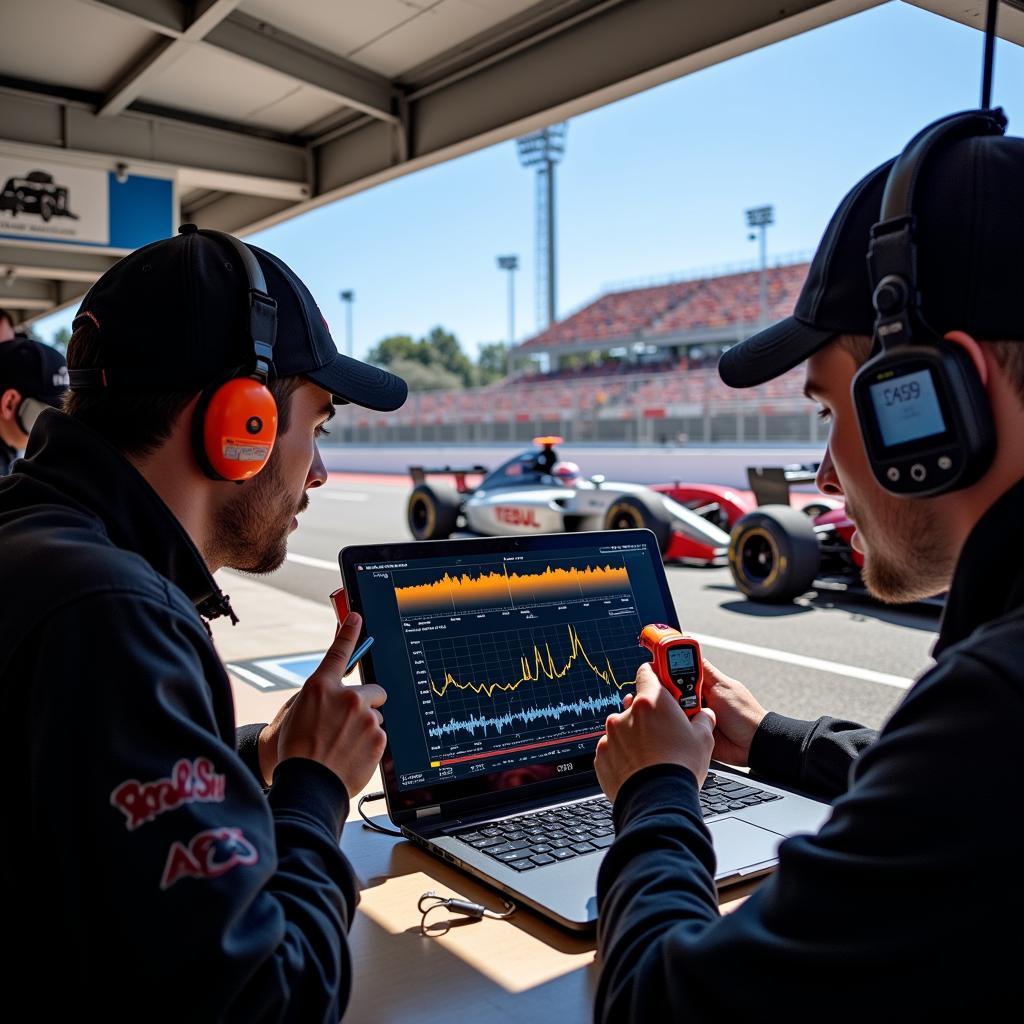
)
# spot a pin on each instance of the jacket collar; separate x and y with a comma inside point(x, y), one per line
point(87, 470)
point(989, 578)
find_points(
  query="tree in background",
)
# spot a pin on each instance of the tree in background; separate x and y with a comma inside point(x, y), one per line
point(492, 362)
point(434, 361)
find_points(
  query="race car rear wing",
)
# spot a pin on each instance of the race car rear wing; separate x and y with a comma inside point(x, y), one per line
point(770, 484)
point(419, 474)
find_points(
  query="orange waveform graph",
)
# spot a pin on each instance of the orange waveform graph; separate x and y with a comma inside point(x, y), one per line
point(538, 665)
point(506, 589)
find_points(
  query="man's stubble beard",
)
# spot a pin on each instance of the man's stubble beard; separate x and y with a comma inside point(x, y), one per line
point(908, 555)
point(251, 531)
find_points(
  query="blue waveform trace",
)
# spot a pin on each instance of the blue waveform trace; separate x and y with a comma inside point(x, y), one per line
point(527, 716)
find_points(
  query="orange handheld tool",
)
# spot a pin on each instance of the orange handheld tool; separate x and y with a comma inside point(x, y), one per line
point(677, 664)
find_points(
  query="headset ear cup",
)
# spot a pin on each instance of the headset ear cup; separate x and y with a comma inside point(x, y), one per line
point(234, 429)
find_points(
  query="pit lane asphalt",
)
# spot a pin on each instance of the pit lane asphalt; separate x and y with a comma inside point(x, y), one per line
point(755, 643)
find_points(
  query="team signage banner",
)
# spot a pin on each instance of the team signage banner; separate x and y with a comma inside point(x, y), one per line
point(43, 200)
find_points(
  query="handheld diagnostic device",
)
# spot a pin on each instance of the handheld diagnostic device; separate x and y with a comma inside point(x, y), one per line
point(677, 664)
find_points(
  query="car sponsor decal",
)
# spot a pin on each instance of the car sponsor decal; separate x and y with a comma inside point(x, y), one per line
point(209, 854)
point(190, 782)
point(516, 516)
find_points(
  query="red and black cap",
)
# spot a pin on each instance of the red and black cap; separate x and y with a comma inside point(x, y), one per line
point(175, 314)
point(969, 226)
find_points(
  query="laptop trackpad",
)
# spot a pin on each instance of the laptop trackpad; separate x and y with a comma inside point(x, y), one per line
point(739, 845)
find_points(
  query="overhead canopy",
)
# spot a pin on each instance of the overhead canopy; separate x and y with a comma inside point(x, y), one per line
point(119, 118)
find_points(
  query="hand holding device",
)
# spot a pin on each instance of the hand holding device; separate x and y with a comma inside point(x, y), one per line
point(677, 663)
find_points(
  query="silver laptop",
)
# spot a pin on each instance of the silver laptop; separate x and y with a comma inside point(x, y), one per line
point(502, 657)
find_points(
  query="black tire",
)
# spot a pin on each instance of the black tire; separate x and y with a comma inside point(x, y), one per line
point(774, 554)
point(639, 511)
point(46, 208)
point(432, 511)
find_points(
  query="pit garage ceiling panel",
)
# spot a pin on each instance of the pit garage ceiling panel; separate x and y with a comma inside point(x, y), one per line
point(252, 111)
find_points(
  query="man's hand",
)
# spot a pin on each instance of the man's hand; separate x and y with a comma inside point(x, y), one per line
point(652, 730)
point(267, 743)
point(335, 724)
point(738, 714)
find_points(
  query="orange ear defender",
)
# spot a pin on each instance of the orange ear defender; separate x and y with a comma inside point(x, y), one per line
point(235, 422)
point(238, 421)
point(677, 664)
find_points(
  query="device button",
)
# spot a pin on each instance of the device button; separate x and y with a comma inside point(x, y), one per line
point(918, 472)
point(893, 473)
point(945, 462)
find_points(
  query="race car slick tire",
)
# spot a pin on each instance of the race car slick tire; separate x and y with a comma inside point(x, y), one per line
point(433, 511)
point(638, 511)
point(774, 554)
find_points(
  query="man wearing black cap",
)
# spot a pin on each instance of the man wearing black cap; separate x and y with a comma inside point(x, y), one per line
point(163, 883)
point(32, 376)
point(899, 907)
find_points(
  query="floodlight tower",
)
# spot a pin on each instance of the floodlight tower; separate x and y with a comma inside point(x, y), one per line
point(543, 150)
point(761, 217)
point(511, 264)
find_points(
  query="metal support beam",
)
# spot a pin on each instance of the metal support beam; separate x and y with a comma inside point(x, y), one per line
point(19, 262)
point(206, 16)
point(263, 44)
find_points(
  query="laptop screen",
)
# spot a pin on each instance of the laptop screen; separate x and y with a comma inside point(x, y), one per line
point(502, 657)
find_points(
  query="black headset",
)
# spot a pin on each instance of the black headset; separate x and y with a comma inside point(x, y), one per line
point(924, 414)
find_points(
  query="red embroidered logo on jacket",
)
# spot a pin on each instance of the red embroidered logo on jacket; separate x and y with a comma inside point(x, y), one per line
point(190, 782)
point(208, 855)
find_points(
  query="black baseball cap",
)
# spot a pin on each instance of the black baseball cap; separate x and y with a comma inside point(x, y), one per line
point(175, 314)
point(33, 369)
point(969, 213)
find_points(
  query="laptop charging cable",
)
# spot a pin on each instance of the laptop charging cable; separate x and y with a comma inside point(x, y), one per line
point(369, 798)
point(430, 901)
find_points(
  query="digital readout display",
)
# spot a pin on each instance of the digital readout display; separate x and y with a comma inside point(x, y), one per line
point(680, 659)
point(907, 408)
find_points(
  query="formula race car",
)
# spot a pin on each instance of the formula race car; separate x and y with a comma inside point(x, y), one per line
point(536, 492)
point(789, 542)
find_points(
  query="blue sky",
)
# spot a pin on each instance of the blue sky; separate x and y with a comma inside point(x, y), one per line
point(650, 186)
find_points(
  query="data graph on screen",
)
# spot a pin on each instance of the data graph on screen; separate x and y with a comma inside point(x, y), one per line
point(483, 588)
point(526, 681)
point(514, 659)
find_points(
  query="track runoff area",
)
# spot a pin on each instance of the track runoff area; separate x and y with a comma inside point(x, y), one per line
point(828, 653)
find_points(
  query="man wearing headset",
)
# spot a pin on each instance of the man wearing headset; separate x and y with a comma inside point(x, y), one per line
point(163, 884)
point(32, 377)
point(897, 908)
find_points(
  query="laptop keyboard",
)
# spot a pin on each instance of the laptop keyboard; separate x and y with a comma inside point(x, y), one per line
point(534, 840)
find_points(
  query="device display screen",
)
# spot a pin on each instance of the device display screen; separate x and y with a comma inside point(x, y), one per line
point(504, 662)
point(680, 659)
point(907, 408)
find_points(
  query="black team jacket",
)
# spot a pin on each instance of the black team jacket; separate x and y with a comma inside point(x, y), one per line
point(143, 866)
point(907, 904)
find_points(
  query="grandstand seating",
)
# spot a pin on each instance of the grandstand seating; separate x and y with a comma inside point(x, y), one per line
point(619, 388)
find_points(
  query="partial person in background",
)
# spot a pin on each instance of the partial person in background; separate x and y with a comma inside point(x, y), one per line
point(7, 328)
point(33, 376)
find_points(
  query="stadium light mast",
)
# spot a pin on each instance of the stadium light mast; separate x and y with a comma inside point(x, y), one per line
point(511, 264)
point(761, 217)
point(348, 297)
point(543, 150)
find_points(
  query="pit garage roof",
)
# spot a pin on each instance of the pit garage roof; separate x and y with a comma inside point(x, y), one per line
point(256, 110)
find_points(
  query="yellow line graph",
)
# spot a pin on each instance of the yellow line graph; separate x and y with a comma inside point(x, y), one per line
point(543, 665)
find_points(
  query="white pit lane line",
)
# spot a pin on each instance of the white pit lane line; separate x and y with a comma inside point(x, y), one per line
point(836, 668)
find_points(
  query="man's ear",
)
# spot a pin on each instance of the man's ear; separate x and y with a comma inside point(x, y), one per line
point(9, 402)
point(973, 349)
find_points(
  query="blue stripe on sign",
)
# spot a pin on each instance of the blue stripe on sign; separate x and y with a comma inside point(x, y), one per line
point(141, 210)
